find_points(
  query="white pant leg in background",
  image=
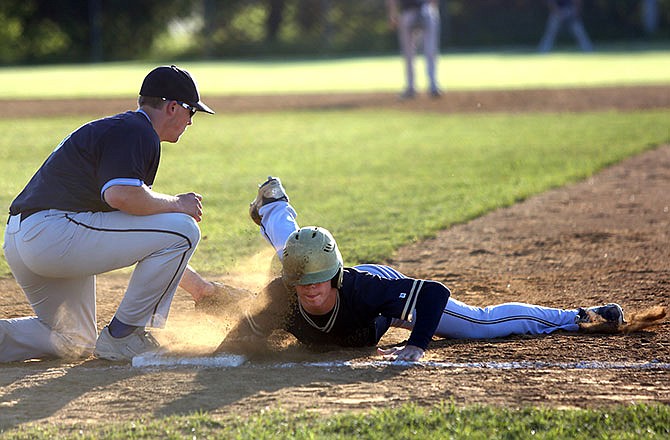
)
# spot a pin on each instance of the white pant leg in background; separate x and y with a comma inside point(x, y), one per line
point(406, 26)
point(551, 30)
point(578, 31)
point(278, 221)
point(55, 256)
point(554, 22)
point(431, 42)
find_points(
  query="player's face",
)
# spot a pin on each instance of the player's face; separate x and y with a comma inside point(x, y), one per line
point(317, 299)
point(180, 119)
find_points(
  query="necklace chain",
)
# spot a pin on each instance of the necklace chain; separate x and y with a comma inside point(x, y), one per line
point(331, 321)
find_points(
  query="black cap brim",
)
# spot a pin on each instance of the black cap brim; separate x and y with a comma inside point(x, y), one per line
point(201, 106)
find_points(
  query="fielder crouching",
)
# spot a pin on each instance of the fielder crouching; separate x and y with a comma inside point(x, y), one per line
point(90, 209)
point(321, 302)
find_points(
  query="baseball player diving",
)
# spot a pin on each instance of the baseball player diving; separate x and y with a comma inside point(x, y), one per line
point(321, 302)
point(89, 209)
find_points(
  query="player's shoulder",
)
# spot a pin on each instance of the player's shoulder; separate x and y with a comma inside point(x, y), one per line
point(359, 284)
point(352, 274)
point(129, 121)
point(135, 119)
point(352, 271)
point(130, 125)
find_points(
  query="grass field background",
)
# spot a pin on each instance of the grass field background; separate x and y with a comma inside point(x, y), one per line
point(459, 71)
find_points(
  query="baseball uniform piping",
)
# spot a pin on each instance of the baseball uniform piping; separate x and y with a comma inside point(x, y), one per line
point(410, 304)
point(499, 320)
point(190, 246)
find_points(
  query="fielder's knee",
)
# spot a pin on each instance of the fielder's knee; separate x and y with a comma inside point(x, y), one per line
point(73, 345)
point(187, 227)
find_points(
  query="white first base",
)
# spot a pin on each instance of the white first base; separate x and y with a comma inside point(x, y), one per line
point(161, 360)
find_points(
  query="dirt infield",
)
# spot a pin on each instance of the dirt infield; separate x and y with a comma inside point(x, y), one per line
point(604, 239)
point(555, 100)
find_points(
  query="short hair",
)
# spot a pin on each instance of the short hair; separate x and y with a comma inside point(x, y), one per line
point(151, 101)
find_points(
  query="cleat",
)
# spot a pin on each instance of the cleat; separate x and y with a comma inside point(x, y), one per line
point(435, 93)
point(612, 313)
point(269, 191)
point(407, 95)
point(124, 349)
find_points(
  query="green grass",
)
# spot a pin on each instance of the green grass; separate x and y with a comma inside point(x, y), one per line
point(487, 70)
point(376, 179)
point(406, 422)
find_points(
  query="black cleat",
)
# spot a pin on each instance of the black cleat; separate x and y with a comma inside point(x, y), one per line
point(269, 191)
point(609, 313)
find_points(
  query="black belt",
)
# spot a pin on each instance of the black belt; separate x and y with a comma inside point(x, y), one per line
point(25, 214)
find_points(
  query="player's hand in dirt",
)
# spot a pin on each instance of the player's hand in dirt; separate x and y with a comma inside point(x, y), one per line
point(410, 353)
point(246, 337)
point(246, 344)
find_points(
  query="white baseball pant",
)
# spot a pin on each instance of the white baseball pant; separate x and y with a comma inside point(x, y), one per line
point(55, 256)
point(427, 21)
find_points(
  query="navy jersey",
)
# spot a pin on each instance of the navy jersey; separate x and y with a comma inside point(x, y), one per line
point(365, 302)
point(122, 149)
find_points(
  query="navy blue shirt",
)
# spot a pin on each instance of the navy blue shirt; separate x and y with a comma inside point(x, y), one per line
point(366, 302)
point(120, 149)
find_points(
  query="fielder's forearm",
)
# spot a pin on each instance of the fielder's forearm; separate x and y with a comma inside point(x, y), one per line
point(140, 200)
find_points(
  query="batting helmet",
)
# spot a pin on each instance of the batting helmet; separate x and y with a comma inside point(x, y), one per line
point(311, 256)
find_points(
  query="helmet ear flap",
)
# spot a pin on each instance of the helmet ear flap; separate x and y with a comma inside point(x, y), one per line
point(336, 281)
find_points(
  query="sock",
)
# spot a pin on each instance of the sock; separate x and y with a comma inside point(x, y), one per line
point(119, 329)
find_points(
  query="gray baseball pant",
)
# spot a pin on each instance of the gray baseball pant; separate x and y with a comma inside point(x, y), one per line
point(427, 19)
point(55, 256)
point(576, 25)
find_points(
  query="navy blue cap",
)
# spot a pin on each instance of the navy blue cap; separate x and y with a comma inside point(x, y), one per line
point(173, 83)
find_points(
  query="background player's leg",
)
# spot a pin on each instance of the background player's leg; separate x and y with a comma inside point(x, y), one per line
point(406, 41)
point(577, 28)
point(553, 25)
point(431, 45)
